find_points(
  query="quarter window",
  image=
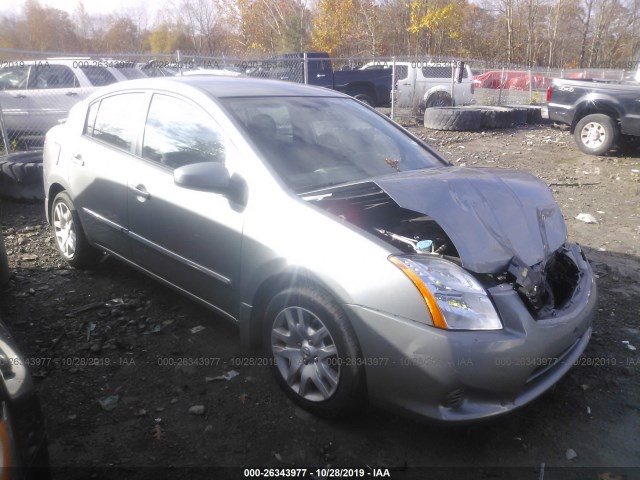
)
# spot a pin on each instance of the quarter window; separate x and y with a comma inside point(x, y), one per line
point(178, 133)
point(117, 119)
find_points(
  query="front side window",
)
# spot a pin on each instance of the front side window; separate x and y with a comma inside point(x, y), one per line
point(179, 133)
point(14, 78)
point(52, 76)
point(117, 119)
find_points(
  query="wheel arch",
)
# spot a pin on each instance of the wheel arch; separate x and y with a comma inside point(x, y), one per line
point(595, 107)
point(362, 88)
point(253, 312)
point(54, 189)
point(434, 90)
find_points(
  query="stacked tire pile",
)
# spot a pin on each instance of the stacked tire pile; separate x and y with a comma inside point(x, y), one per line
point(21, 175)
point(481, 117)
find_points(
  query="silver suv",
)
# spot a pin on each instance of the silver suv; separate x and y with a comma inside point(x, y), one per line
point(35, 95)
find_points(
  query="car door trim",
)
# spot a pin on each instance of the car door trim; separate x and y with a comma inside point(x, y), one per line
point(104, 220)
point(134, 236)
point(180, 258)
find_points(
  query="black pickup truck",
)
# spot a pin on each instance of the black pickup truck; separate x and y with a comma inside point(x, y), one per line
point(602, 115)
point(370, 86)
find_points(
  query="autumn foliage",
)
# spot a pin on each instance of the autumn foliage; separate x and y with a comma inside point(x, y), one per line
point(553, 33)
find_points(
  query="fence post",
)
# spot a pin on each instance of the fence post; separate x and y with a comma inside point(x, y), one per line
point(3, 132)
point(530, 86)
point(453, 79)
point(393, 86)
point(501, 86)
point(179, 62)
point(305, 68)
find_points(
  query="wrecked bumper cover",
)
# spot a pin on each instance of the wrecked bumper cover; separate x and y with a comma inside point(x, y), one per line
point(461, 376)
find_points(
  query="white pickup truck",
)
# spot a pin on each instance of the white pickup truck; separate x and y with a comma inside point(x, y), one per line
point(425, 84)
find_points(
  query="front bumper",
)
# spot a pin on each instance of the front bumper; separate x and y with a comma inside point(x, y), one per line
point(461, 376)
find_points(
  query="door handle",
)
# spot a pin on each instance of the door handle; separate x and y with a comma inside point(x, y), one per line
point(20, 95)
point(321, 75)
point(77, 159)
point(71, 94)
point(140, 192)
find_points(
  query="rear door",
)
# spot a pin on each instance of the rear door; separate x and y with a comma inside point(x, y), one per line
point(52, 91)
point(99, 166)
point(14, 101)
point(405, 86)
point(190, 238)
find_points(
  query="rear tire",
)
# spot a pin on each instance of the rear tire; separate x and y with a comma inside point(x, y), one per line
point(315, 351)
point(70, 239)
point(596, 134)
point(439, 99)
point(366, 99)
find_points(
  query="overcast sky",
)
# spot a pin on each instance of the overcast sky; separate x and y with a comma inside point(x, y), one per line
point(92, 6)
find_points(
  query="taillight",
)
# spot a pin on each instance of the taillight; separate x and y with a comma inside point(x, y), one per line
point(549, 90)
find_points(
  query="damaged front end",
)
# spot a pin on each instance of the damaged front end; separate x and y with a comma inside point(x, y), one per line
point(463, 231)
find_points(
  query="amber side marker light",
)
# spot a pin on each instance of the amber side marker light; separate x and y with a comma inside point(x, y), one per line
point(432, 305)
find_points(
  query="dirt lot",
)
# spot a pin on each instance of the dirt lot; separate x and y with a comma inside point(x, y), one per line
point(116, 393)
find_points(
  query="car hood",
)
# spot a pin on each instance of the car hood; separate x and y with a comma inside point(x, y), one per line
point(491, 215)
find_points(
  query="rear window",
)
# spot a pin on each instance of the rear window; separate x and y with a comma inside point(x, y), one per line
point(98, 76)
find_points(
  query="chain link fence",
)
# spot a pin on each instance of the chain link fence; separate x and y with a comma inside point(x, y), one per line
point(37, 89)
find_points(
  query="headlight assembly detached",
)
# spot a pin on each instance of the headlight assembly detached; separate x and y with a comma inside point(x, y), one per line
point(455, 299)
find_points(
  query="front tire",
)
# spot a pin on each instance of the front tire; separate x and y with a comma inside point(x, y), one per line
point(69, 235)
point(315, 351)
point(596, 134)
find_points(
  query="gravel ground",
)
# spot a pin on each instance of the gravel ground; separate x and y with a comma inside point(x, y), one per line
point(107, 348)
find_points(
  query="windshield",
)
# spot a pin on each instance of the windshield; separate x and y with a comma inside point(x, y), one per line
point(316, 142)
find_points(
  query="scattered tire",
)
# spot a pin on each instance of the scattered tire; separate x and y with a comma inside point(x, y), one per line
point(534, 114)
point(21, 176)
point(496, 117)
point(520, 115)
point(596, 134)
point(452, 118)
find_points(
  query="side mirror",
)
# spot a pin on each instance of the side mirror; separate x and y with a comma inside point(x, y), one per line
point(211, 176)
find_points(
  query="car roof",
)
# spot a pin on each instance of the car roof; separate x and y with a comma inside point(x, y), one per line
point(226, 87)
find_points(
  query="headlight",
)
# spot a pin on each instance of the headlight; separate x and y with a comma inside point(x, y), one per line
point(455, 299)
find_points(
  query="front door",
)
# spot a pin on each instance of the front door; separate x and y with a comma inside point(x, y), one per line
point(190, 238)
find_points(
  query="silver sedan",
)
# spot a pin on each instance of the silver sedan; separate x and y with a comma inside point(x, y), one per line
point(362, 263)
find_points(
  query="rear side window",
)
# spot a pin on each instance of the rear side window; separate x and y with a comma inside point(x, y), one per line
point(52, 76)
point(440, 72)
point(116, 120)
point(98, 76)
point(402, 72)
point(178, 133)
